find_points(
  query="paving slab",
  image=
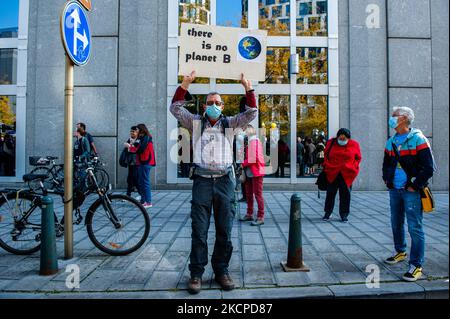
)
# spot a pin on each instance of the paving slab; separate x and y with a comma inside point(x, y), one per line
point(337, 254)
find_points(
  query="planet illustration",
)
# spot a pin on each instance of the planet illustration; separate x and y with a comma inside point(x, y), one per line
point(249, 48)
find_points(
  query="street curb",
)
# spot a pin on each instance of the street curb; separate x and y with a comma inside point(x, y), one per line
point(438, 289)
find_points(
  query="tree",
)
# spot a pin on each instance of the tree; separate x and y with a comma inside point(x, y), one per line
point(312, 114)
point(7, 115)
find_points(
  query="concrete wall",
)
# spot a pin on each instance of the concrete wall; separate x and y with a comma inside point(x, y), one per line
point(123, 84)
point(405, 61)
point(418, 70)
point(368, 90)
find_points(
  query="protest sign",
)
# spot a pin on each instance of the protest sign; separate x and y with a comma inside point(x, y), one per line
point(222, 52)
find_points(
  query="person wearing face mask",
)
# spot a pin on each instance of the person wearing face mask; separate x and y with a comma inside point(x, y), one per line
point(408, 165)
point(213, 178)
point(341, 166)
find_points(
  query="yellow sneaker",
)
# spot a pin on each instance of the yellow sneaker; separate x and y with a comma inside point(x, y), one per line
point(413, 273)
point(396, 258)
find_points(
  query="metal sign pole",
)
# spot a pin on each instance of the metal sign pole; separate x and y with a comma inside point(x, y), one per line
point(68, 161)
point(76, 38)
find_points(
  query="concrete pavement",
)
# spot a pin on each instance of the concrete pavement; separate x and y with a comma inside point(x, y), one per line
point(337, 254)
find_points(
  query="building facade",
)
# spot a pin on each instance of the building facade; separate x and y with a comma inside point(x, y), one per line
point(358, 59)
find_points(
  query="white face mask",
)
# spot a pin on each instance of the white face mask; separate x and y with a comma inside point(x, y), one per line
point(342, 143)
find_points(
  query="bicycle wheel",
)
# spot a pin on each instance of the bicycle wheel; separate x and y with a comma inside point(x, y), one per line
point(16, 236)
point(48, 182)
point(130, 233)
point(58, 183)
point(102, 178)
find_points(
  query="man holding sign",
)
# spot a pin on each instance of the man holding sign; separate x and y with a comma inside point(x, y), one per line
point(213, 176)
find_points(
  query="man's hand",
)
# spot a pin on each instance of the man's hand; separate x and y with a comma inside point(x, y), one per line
point(187, 80)
point(247, 84)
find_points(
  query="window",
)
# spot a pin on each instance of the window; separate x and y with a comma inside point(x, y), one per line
point(9, 18)
point(198, 12)
point(291, 106)
point(305, 8)
point(8, 66)
point(313, 66)
point(7, 135)
point(312, 132)
point(312, 18)
point(13, 53)
point(276, 12)
point(274, 114)
point(274, 18)
point(231, 13)
point(277, 65)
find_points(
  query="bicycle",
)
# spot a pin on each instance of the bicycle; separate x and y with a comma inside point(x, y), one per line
point(101, 174)
point(47, 166)
point(109, 220)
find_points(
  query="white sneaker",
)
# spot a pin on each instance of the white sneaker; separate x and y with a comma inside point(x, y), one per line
point(138, 197)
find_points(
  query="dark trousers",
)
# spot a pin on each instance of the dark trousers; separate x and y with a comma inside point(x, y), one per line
point(344, 197)
point(280, 169)
point(212, 194)
point(132, 179)
point(243, 191)
point(301, 167)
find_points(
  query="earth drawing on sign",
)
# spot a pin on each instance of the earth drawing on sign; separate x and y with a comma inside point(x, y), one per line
point(249, 48)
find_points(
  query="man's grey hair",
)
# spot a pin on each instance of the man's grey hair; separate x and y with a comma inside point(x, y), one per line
point(211, 94)
point(405, 111)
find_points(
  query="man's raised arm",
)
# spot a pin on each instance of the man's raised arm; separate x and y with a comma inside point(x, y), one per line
point(243, 119)
point(177, 107)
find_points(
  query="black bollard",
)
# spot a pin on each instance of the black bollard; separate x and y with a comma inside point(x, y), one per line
point(49, 259)
point(295, 250)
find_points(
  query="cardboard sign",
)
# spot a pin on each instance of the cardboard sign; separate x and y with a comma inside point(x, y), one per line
point(222, 52)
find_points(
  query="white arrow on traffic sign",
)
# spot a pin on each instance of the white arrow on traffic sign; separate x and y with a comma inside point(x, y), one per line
point(76, 35)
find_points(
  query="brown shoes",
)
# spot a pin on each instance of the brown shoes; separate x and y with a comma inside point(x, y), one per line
point(194, 285)
point(225, 282)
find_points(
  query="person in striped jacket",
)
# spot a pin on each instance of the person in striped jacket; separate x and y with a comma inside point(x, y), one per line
point(408, 165)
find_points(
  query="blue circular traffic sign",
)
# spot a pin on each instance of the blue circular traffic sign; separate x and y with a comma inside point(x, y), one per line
point(75, 33)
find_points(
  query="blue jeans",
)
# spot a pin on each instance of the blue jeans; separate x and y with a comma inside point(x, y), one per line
point(207, 195)
point(409, 204)
point(144, 183)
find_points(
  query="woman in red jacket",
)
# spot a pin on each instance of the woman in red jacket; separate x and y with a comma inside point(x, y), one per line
point(341, 166)
point(145, 159)
point(254, 170)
